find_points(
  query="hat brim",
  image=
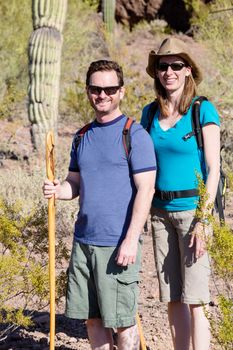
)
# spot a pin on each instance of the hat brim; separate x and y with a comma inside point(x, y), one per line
point(154, 58)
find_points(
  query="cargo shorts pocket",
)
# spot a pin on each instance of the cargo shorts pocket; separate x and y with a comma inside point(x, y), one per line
point(127, 294)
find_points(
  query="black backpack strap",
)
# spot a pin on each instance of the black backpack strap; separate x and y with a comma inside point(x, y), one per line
point(126, 138)
point(197, 130)
point(80, 133)
point(219, 204)
point(196, 125)
point(151, 112)
point(221, 193)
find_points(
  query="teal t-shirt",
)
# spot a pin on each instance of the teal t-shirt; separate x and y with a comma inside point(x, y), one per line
point(178, 160)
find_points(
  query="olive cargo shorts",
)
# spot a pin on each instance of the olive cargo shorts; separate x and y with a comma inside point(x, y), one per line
point(99, 288)
point(181, 276)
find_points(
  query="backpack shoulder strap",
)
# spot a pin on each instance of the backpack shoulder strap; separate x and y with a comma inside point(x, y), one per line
point(196, 125)
point(220, 199)
point(80, 133)
point(197, 130)
point(126, 139)
point(151, 112)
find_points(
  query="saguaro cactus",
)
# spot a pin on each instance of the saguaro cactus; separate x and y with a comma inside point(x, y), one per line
point(45, 47)
point(108, 10)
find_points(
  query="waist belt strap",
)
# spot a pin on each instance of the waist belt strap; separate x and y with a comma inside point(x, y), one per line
point(170, 195)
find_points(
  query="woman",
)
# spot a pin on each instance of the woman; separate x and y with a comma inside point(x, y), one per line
point(181, 258)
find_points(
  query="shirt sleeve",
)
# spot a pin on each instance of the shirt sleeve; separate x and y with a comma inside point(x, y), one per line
point(208, 114)
point(142, 154)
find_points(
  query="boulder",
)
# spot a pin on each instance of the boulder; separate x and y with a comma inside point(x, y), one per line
point(174, 12)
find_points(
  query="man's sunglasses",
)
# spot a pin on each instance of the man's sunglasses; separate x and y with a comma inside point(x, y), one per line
point(163, 67)
point(109, 90)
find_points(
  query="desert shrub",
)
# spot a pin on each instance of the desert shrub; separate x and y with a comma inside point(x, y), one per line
point(15, 28)
point(11, 96)
point(92, 3)
point(78, 35)
point(213, 26)
point(137, 94)
point(77, 104)
point(83, 43)
point(27, 185)
point(24, 244)
point(24, 263)
point(223, 330)
point(93, 42)
point(138, 87)
point(220, 248)
point(155, 27)
point(230, 181)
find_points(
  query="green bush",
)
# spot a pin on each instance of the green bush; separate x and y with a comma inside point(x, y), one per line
point(223, 329)
point(11, 96)
point(92, 3)
point(77, 105)
point(15, 28)
point(213, 26)
point(79, 49)
point(220, 248)
point(137, 94)
point(24, 276)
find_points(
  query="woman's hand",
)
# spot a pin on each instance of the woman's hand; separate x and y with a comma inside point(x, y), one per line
point(199, 238)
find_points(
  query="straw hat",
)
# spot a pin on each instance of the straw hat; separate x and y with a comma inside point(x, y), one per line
point(173, 47)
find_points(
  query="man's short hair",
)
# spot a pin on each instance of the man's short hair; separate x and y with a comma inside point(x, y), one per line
point(105, 65)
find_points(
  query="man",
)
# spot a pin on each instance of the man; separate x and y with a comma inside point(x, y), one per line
point(115, 197)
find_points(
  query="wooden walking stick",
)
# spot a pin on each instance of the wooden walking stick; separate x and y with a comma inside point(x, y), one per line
point(50, 169)
point(141, 335)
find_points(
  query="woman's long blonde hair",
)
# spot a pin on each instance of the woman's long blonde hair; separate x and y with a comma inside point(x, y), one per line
point(189, 92)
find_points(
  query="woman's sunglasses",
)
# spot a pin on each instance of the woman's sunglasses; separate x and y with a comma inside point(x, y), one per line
point(163, 67)
point(109, 90)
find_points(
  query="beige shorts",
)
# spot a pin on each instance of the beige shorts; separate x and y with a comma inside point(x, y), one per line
point(181, 276)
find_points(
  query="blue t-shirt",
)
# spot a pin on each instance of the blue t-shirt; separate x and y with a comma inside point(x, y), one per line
point(178, 160)
point(107, 189)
